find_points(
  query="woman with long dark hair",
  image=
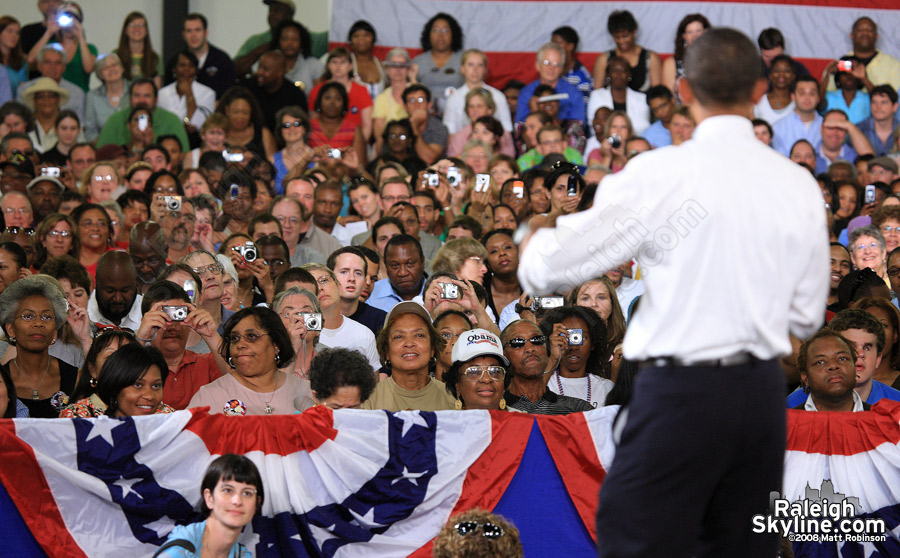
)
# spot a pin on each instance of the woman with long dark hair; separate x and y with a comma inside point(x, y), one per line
point(136, 52)
point(691, 27)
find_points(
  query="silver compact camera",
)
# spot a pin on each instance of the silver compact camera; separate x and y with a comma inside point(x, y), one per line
point(176, 313)
point(232, 157)
point(334, 153)
point(546, 302)
point(615, 141)
point(50, 171)
point(312, 321)
point(576, 336)
point(454, 177)
point(173, 203)
point(449, 291)
point(247, 251)
point(433, 179)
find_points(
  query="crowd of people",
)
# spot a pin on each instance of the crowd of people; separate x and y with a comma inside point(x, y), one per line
point(267, 232)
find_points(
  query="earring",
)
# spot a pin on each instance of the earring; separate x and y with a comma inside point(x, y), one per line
point(458, 404)
point(12, 340)
point(53, 342)
point(230, 362)
point(278, 360)
point(387, 363)
point(93, 382)
point(502, 404)
point(432, 362)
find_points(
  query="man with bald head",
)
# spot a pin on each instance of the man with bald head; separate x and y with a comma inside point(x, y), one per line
point(148, 248)
point(271, 89)
point(115, 301)
point(16, 209)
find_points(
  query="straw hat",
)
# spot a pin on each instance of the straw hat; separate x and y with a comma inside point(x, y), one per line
point(44, 84)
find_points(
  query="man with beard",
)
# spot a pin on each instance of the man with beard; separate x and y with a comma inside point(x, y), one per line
point(188, 371)
point(115, 301)
point(45, 195)
point(148, 248)
point(271, 90)
point(178, 227)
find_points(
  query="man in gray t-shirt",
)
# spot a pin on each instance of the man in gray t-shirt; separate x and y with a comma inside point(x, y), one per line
point(431, 134)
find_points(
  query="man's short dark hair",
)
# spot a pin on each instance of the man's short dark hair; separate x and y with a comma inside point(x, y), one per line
point(803, 353)
point(370, 254)
point(332, 258)
point(143, 81)
point(468, 223)
point(163, 290)
point(722, 67)
point(621, 20)
point(173, 137)
point(404, 240)
point(157, 147)
point(417, 87)
point(212, 160)
point(272, 240)
point(335, 368)
point(800, 79)
point(197, 16)
point(262, 219)
point(169, 271)
point(853, 318)
point(297, 274)
point(567, 34)
point(770, 38)
point(131, 197)
point(659, 92)
point(886, 90)
point(388, 220)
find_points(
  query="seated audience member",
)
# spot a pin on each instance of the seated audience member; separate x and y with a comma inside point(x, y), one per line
point(42, 382)
point(662, 104)
point(778, 102)
point(550, 65)
point(389, 105)
point(186, 97)
point(330, 128)
point(246, 130)
point(296, 220)
point(405, 265)
point(578, 342)
point(762, 130)
point(836, 128)
point(479, 103)
point(408, 346)
point(275, 255)
point(293, 305)
point(227, 477)
point(683, 124)
point(339, 69)
point(431, 135)
point(55, 236)
point(804, 122)
point(473, 69)
point(337, 330)
point(51, 63)
point(771, 44)
point(840, 267)
point(22, 237)
point(328, 202)
point(550, 140)
point(828, 374)
point(256, 345)
point(617, 93)
point(888, 372)
point(301, 68)
point(17, 210)
point(99, 182)
point(611, 152)
point(576, 73)
point(868, 249)
point(879, 128)
point(45, 195)
point(15, 173)
point(849, 96)
point(464, 226)
point(881, 169)
point(87, 403)
point(341, 379)
point(859, 284)
point(408, 216)
point(350, 266)
point(502, 283)
point(600, 296)
point(478, 533)
point(142, 92)
point(627, 289)
point(476, 377)
point(450, 324)
point(887, 221)
point(439, 63)
point(169, 316)
point(216, 68)
point(132, 380)
point(115, 301)
point(291, 136)
point(867, 335)
point(528, 352)
point(465, 258)
point(272, 89)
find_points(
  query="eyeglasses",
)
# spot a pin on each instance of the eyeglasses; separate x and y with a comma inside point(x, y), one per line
point(294, 124)
point(551, 64)
point(398, 136)
point(323, 280)
point(488, 530)
point(416, 100)
point(20, 210)
point(889, 229)
point(873, 245)
point(64, 234)
point(17, 230)
point(211, 268)
point(103, 177)
point(449, 336)
point(292, 220)
point(30, 317)
point(476, 373)
point(251, 337)
point(137, 25)
point(476, 259)
point(518, 342)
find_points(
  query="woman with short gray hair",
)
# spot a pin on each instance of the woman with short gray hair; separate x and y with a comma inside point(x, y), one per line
point(295, 307)
point(32, 313)
point(102, 102)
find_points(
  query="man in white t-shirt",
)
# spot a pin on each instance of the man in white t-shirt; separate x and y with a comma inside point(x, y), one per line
point(338, 330)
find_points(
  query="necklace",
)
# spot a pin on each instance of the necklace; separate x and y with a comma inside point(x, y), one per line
point(586, 377)
point(268, 408)
point(34, 390)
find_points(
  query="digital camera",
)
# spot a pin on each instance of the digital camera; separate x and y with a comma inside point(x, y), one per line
point(334, 153)
point(576, 336)
point(176, 313)
point(454, 177)
point(312, 321)
point(546, 302)
point(449, 291)
point(50, 171)
point(232, 157)
point(615, 141)
point(247, 251)
point(173, 203)
point(482, 182)
point(433, 179)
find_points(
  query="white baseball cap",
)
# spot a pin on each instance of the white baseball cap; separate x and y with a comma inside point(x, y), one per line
point(475, 343)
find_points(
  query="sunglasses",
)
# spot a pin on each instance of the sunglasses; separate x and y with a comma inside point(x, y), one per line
point(488, 530)
point(518, 342)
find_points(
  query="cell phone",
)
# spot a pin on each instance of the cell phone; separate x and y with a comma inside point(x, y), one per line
point(482, 182)
point(433, 179)
point(143, 122)
point(232, 157)
point(870, 194)
point(190, 287)
point(454, 177)
point(572, 186)
point(845, 65)
point(518, 189)
point(233, 191)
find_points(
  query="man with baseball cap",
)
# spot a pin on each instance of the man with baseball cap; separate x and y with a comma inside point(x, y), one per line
point(15, 173)
point(256, 45)
point(883, 169)
point(45, 195)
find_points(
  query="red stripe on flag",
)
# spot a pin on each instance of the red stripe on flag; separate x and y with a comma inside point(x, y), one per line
point(844, 433)
point(575, 455)
point(31, 494)
point(276, 434)
point(490, 475)
point(855, 4)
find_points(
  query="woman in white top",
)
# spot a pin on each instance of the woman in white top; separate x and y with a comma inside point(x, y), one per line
point(188, 99)
point(618, 96)
point(473, 70)
point(778, 102)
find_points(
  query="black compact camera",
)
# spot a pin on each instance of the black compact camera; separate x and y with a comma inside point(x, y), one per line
point(615, 141)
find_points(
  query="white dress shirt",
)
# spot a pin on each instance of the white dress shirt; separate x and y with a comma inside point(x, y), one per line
point(204, 96)
point(635, 107)
point(132, 321)
point(717, 281)
point(455, 118)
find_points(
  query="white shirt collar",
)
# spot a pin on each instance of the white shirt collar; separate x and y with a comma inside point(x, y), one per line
point(857, 403)
point(131, 321)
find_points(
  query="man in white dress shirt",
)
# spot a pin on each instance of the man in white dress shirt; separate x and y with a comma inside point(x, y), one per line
point(703, 442)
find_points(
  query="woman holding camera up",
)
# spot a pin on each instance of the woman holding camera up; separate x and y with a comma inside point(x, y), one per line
point(577, 339)
point(616, 133)
point(66, 29)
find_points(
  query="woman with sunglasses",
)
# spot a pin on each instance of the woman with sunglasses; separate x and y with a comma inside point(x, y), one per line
point(478, 533)
point(477, 377)
point(291, 137)
point(256, 344)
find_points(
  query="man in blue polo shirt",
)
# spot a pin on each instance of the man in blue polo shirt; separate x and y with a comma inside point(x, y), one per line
point(405, 264)
point(867, 334)
point(550, 65)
